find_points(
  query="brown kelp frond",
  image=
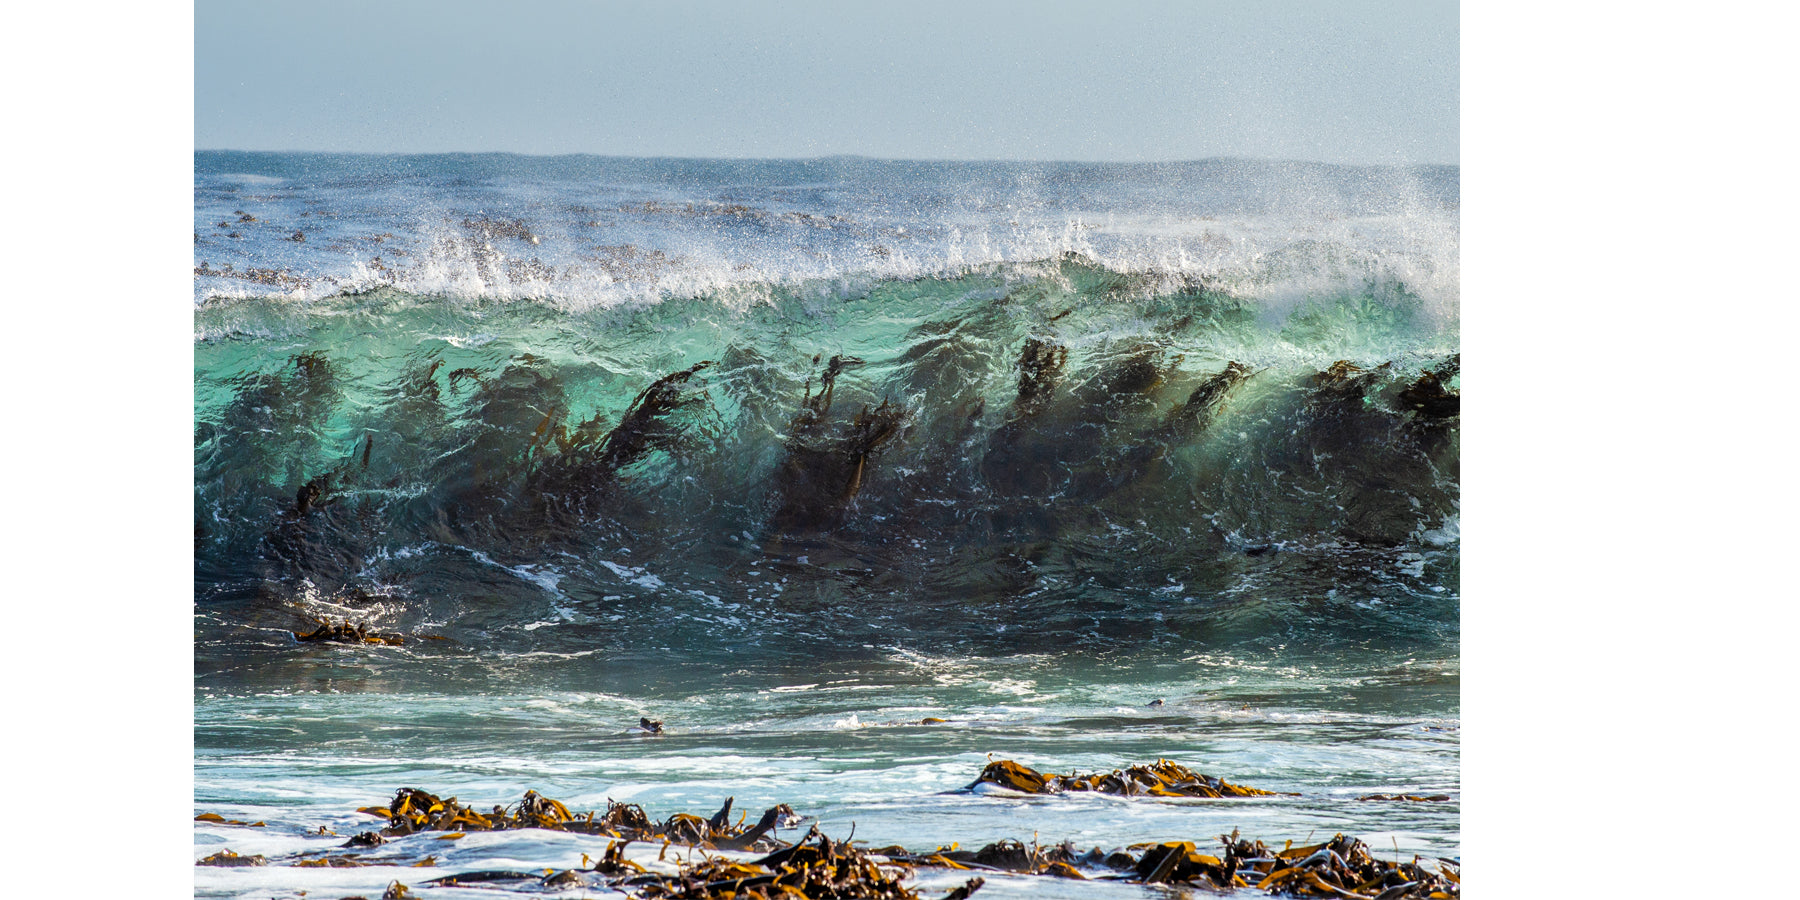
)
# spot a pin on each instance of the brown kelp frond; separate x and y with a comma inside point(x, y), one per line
point(644, 427)
point(1431, 396)
point(1041, 365)
point(591, 455)
point(1340, 867)
point(1206, 400)
point(347, 632)
point(1159, 779)
point(815, 866)
point(826, 468)
point(1344, 867)
point(813, 406)
point(1344, 381)
point(413, 810)
point(231, 858)
point(1140, 372)
point(825, 869)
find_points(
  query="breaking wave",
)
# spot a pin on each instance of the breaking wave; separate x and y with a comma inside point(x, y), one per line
point(1006, 458)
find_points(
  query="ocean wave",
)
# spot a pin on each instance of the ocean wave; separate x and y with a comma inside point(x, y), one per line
point(1061, 450)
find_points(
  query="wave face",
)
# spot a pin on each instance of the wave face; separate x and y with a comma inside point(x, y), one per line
point(602, 410)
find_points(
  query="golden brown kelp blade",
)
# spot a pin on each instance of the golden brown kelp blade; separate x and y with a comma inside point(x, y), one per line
point(230, 858)
point(1344, 867)
point(1009, 774)
point(1341, 867)
point(1136, 374)
point(346, 632)
point(816, 866)
point(826, 869)
point(1159, 779)
point(413, 811)
point(1178, 861)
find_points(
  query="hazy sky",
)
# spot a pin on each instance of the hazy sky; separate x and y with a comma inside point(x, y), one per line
point(1337, 82)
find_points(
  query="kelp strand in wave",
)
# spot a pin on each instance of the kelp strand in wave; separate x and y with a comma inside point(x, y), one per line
point(585, 461)
point(824, 468)
point(1431, 395)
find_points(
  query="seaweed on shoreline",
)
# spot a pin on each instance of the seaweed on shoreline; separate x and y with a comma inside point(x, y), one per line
point(1159, 779)
point(827, 869)
point(230, 859)
point(815, 866)
point(413, 810)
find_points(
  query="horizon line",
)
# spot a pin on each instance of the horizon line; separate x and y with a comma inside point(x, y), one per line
point(843, 156)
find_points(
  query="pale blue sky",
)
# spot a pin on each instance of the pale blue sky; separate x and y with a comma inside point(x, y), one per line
point(1336, 82)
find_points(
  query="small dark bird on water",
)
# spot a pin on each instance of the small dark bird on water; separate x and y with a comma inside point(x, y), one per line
point(649, 726)
point(1157, 702)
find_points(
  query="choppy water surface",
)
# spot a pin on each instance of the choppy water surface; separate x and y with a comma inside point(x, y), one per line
point(573, 429)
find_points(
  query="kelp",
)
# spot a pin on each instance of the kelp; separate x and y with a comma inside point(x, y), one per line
point(590, 456)
point(413, 810)
point(1431, 396)
point(815, 866)
point(1409, 798)
point(322, 489)
point(1344, 867)
point(1015, 463)
point(1041, 365)
point(1205, 401)
point(347, 632)
point(1341, 867)
point(1124, 382)
point(216, 819)
point(825, 468)
point(1182, 424)
point(1159, 779)
point(1001, 856)
point(230, 858)
point(825, 869)
point(1344, 382)
point(358, 861)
